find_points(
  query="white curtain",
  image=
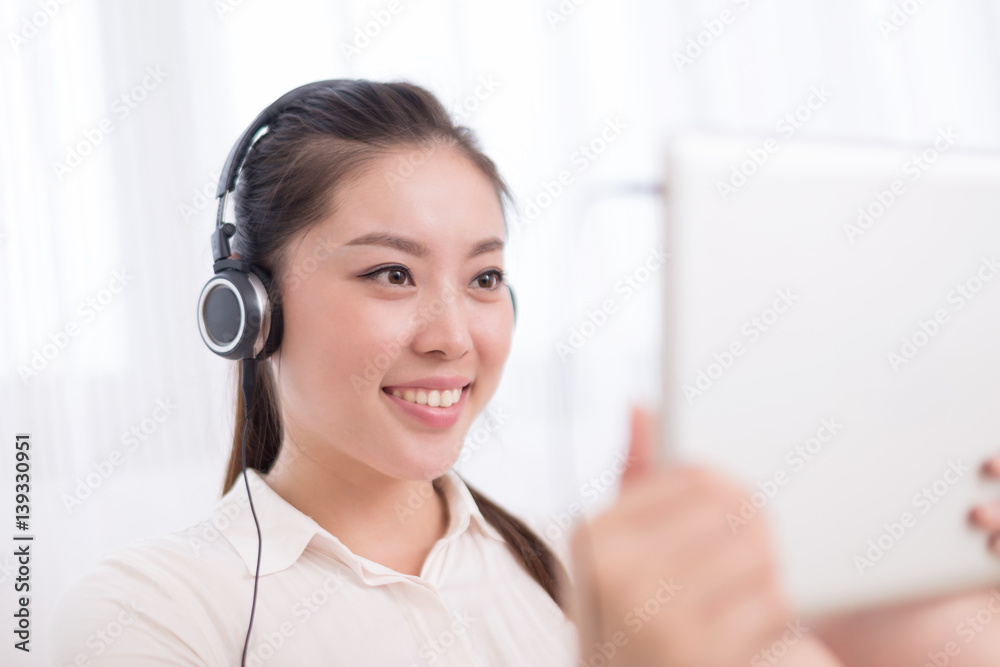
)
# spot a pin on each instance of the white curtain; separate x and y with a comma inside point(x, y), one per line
point(116, 117)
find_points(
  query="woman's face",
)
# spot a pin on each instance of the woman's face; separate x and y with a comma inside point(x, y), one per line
point(396, 292)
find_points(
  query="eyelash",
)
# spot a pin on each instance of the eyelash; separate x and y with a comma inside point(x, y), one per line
point(372, 275)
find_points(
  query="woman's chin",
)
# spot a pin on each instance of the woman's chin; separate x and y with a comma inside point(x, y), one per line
point(430, 470)
point(422, 458)
point(420, 468)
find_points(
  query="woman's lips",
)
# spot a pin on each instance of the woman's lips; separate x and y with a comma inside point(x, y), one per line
point(428, 416)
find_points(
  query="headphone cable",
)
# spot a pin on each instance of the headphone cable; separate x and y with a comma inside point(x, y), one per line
point(247, 383)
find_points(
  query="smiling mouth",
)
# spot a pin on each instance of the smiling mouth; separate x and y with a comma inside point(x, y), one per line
point(435, 398)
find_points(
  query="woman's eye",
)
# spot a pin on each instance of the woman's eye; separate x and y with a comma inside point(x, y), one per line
point(395, 275)
point(490, 280)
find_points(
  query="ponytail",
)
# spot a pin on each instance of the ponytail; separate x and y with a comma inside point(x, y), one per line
point(530, 550)
point(263, 431)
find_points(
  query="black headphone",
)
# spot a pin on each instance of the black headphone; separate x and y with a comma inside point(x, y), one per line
point(236, 317)
point(234, 311)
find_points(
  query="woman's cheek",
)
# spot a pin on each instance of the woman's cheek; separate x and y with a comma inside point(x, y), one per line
point(370, 347)
point(494, 337)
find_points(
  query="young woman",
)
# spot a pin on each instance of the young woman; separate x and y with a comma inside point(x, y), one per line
point(379, 226)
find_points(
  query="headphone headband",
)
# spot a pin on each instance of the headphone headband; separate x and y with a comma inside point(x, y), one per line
point(231, 169)
point(235, 314)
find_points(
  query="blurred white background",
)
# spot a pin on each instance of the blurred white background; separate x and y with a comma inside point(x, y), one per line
point(116, 117)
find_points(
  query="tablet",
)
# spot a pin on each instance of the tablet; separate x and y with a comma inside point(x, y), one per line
point(832, 341)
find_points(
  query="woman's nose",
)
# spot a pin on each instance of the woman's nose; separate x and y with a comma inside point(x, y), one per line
point(443, 324)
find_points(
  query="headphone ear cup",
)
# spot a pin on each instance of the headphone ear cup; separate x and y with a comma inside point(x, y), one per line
point(273, 341)
point(232, 311)
point(272, 335)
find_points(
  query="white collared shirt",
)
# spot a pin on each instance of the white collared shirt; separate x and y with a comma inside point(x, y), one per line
point(184, 598)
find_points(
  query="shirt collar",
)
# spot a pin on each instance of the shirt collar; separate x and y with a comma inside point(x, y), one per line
point(286, 531)
point(463, 511)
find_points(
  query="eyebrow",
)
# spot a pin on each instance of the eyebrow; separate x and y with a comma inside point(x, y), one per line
point(418, 249)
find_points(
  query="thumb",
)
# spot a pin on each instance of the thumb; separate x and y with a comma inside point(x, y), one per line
point(642, 445)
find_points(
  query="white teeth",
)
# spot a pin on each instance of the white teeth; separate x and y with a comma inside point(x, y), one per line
point(433, 397)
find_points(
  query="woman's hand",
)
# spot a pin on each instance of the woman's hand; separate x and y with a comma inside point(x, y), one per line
point(987, 515)
point(662, 579)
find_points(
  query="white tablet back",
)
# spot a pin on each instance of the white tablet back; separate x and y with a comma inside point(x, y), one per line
point(833, 341)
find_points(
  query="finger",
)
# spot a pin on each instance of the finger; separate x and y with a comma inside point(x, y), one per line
point(641, 446)
point(663, 492)
point(992, 467)
point(986, 516)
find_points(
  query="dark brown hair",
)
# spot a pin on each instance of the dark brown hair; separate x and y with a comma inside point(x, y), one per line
point(289, 181)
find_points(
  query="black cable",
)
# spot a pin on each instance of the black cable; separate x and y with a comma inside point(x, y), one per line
point(247, 384)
